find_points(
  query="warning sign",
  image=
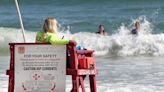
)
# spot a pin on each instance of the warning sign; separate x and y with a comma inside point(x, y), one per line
point(40, 68)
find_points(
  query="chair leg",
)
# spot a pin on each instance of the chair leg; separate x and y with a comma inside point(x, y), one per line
point(75, 84)
point(82, 83)
point(92, 79)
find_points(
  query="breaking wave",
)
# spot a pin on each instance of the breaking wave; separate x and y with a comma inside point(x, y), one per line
point(120, 43)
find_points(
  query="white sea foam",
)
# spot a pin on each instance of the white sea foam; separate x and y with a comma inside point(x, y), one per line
point(113, 88)
point(107, 88)
point(121, 43)
point(9, 35)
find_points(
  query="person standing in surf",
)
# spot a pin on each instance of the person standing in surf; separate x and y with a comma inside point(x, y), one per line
point(136, 29)
point(49, 34)
point(101, 30)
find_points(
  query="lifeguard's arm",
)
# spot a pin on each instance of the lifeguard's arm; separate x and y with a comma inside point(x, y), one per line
point(56, 41)
point(38, 37)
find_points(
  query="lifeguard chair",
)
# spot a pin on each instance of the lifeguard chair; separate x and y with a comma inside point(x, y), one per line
point(81, 63)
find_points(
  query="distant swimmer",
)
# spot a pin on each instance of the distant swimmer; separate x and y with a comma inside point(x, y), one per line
point(49, 34)
point(136, 29)
point(101, 30)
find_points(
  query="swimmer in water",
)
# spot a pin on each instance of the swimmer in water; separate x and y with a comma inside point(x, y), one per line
point(136, 29)
point(101, 30)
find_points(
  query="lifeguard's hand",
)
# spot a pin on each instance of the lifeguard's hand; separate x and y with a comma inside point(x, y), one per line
point(72, 42)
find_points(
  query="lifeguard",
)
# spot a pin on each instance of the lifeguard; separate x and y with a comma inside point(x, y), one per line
point(49, 34)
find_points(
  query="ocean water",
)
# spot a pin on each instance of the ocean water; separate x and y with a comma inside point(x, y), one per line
point(126, 63)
